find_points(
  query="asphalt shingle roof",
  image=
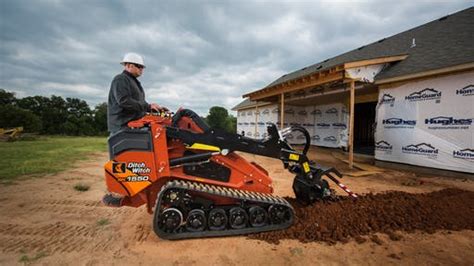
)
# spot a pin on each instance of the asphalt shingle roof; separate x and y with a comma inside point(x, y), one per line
point(247, 103)
point(444, 42)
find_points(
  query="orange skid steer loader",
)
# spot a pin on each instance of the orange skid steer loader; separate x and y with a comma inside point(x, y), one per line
point(195, 185)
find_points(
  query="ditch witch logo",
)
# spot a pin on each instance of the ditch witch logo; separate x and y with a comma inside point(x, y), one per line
point(424, 95)
point(464, 154)
point(137, 171)
point(444, 122)
point(398, 123)
point(387, 99)
point(383, 146)
point(421, 149)
point(466, 91)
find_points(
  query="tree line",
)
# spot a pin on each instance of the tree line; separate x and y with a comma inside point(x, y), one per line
point(72, 116)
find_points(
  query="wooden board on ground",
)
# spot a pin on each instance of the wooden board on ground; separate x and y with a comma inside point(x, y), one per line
point(361, 166)
point(359, 173)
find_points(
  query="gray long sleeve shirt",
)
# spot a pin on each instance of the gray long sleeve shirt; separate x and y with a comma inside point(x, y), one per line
point(126, 101)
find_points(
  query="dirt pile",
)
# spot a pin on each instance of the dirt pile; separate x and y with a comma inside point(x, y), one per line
point(448, 209)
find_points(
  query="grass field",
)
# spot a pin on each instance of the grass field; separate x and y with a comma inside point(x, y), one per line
point(45, 155)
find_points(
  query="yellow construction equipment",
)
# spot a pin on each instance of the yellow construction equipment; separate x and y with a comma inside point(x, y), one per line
point(10, 134)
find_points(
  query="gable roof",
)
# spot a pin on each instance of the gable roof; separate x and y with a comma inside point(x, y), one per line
point(444, 42)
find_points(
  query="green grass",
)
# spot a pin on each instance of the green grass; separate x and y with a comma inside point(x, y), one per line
point(26, 260)
point(45, 155)
point(103, 222)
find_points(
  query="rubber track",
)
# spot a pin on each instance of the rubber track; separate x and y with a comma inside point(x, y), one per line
point(242, 195)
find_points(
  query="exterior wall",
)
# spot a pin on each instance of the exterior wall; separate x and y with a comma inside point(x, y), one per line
point(246, 121)
point(428, 123)
point(326, 124)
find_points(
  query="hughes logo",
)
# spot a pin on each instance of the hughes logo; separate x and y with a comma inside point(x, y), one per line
point(398, 122)
point(338, 125)
point(323, 125)
point(316, 137)
point(316, 112)
point(330, 139)
point(387, 99)
point(421, 149)
point(448, 121)
point(383, 146)
point(332, 111)
point(423, 95)
point(464, 154)
point(466, 91)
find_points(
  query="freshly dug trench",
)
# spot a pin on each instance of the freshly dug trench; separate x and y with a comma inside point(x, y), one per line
point(448, 209)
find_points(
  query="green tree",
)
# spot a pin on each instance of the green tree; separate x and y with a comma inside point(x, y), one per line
point(100, 118)
point(79, 119)
point(231, 124)
point(13, 116)
point(52, 111)
point(217, 117)
point(7, 97)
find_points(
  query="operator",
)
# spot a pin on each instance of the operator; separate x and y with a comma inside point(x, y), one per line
point(126, 96)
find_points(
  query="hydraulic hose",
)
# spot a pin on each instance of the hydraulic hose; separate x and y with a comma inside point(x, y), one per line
point(306, 135)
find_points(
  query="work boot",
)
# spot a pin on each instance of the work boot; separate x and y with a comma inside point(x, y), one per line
point(112, 201)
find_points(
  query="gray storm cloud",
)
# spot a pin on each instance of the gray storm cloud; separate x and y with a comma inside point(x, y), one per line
point(198, 53)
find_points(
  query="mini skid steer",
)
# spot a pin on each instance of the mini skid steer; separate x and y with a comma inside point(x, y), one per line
point(196, 185)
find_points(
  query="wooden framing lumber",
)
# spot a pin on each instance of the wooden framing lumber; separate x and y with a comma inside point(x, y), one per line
point(375, 61)
point(282, 110)
point(351, 126)
point(294, 86)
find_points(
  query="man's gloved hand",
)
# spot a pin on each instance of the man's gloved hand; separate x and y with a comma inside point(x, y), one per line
point(155, 107)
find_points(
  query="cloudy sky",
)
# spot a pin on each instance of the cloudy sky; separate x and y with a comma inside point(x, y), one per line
point(198, 53)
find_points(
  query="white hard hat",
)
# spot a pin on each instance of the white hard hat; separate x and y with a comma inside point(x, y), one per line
point(133, 58)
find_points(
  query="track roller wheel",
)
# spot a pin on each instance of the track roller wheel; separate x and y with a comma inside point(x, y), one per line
point(238, 218)
point(170, 220)
point(196, 220)
point(217, 219)
point(279, 214)
point(257, 216)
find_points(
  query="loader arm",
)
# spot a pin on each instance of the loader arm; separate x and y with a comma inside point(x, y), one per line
point(273, 146)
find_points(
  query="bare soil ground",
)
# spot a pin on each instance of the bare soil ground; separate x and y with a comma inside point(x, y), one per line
point(46, 221)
